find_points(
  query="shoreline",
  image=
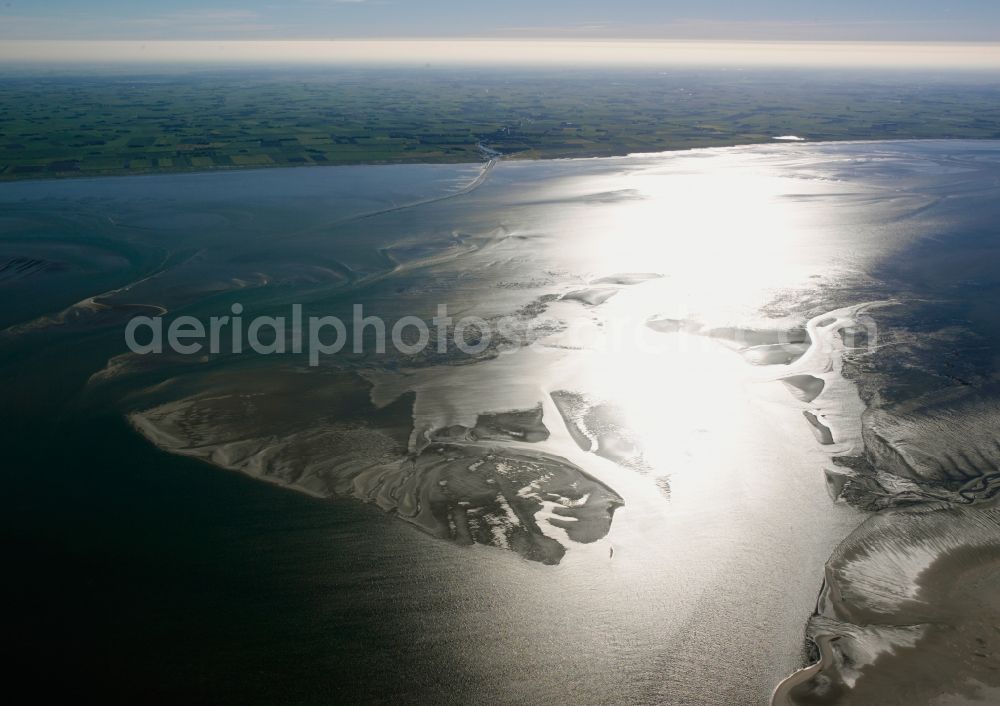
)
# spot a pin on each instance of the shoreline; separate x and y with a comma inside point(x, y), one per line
point(897, 590)
point(904, 595)
point(512, 157)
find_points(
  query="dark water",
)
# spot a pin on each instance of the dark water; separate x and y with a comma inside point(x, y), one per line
point(135, 574)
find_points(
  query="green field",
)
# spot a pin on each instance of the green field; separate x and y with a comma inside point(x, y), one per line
point(53, 126)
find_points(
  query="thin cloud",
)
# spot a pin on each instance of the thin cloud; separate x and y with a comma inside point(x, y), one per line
point(768, 30)
point(362, 19)
point(169, 25)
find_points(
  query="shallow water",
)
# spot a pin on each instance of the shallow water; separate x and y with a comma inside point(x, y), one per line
point(191, 580)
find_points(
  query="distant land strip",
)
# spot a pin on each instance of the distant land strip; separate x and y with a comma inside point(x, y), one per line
point(97, 125)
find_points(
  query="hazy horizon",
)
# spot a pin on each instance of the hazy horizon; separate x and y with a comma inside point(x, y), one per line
point(498, 52)
point(964, 34)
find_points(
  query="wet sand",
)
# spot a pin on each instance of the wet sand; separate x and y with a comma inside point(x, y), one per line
point(452, 483)
point(822, 431)
point(909, 613)
point(805, 388)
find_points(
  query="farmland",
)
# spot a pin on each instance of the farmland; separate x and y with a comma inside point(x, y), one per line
point(66, 125)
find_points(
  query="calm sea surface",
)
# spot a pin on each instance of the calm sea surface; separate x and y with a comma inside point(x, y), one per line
point(143, 572)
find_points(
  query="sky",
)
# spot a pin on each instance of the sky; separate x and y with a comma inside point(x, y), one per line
point(802, 20)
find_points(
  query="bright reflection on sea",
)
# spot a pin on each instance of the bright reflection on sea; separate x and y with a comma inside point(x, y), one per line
point(727, 237)
point(661, 276)
point(718, 550)
point(699, 592)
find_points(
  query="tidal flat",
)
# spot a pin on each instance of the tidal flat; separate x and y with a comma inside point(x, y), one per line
point(619, 499)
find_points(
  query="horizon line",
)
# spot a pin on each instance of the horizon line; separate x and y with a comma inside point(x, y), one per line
point(611, 51)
